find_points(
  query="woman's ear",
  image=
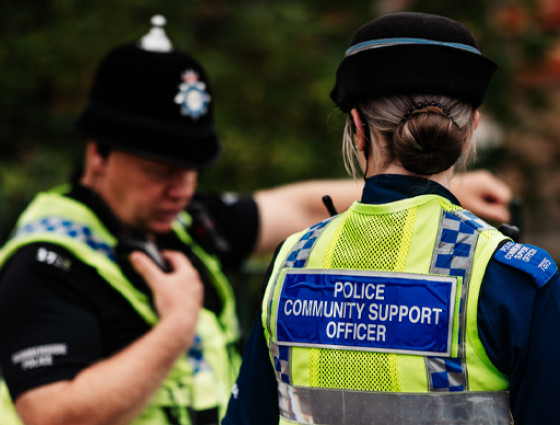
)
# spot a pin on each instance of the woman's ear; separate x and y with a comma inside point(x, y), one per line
point(359, 136)
point(476, 121)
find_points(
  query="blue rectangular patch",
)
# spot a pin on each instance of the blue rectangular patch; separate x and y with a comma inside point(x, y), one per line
point(362, 310)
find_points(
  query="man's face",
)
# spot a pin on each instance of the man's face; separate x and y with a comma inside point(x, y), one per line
point(145, 195)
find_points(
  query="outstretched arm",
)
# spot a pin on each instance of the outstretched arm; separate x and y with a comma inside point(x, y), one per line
point(114, 391)
point(290, 208)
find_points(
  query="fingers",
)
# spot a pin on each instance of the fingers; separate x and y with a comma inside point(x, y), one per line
point(178, 294)
point(495, 198)
point(493, 212)
point(484, 194)
point(177, 261)
point(495, 188)
point(144, 266)
point(149, 270)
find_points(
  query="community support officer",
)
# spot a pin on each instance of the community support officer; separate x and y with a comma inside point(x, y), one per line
point(406, 308)
point(83, 338)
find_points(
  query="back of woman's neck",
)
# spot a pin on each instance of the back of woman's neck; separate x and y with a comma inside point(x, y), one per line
point(443, 178)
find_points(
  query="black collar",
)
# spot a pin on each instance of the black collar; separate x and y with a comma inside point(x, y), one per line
point(93, 201)
point(385, 188)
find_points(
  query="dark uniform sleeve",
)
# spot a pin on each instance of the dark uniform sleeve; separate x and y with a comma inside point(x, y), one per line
point(57, 317)
point(228, 226)
point(518, 323)
point(47, 334)
point(254, 398)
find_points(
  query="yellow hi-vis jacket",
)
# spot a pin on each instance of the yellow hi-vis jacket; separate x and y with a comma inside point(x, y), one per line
point(54, 218)
point(371, 318)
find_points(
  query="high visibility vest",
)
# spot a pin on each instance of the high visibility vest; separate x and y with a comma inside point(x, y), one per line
point(371, 318)
point(198, 382)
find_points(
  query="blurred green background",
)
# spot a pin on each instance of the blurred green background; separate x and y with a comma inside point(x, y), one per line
point(272, 65)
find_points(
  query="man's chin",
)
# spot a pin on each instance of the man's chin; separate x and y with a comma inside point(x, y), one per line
point(159, 228)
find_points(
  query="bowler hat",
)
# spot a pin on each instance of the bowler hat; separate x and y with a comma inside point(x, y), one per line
point(154, 103)
point(412, 53)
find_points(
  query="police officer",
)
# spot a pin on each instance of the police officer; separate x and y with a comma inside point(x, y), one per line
point(406, 308)
point(91, 334)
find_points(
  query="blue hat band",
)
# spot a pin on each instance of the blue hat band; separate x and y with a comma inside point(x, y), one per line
point(389, 42)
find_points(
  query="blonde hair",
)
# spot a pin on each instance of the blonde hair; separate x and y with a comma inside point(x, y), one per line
point(426, 134)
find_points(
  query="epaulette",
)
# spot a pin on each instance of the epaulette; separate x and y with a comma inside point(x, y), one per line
point(530, 259)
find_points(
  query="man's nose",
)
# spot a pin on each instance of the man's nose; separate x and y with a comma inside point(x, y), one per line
point(182, 184)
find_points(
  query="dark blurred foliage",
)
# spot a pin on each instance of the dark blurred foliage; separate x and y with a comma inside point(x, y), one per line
point(271, 64)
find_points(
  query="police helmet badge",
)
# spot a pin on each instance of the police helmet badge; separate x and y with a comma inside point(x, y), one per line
point(192, 96)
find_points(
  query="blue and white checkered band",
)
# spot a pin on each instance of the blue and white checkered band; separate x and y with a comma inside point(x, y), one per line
point(447, 375)
point(193, 96)
point(456, 241)
point(281, 355)
point(297, 258)
point(300, 253)
point(399, 41)
point(66, 227)
point(195, 355)
point(453, 255)
point(472, 220)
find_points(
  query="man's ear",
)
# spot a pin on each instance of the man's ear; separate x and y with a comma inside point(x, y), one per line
point(476, 118)
point(94, 165)
point(360, 136)
point(94, 160)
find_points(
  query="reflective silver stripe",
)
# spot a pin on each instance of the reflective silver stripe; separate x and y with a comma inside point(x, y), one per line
point(336, 407)
point(299, 255)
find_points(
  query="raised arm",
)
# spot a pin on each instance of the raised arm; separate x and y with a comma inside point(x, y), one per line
point(290, 208)
point(114, 391)
point(287, 209)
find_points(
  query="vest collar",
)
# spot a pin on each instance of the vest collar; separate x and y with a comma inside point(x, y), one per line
point(385, 188)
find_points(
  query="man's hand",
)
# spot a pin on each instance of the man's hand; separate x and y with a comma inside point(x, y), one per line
point(177, 294)
point(484, 195)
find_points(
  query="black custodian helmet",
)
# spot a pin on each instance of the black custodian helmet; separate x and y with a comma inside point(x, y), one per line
point(412, 53)
point(153, 101)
